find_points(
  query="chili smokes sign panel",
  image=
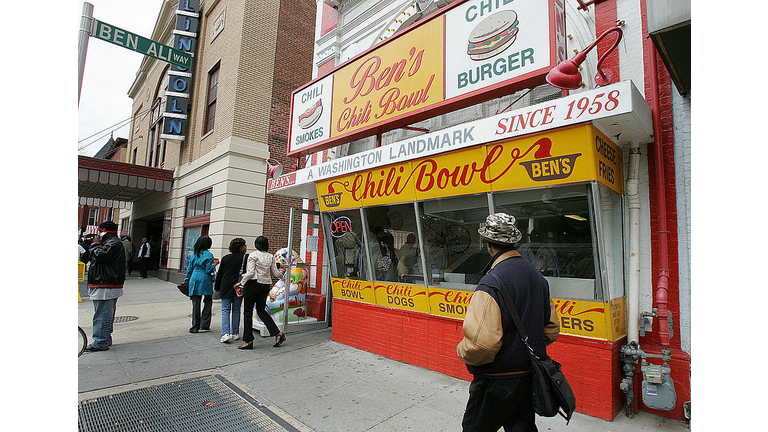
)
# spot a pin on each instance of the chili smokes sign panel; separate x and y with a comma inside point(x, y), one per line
point(495, 47)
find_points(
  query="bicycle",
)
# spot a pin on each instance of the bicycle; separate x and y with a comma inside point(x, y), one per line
point(83, 340)
point(453, 236)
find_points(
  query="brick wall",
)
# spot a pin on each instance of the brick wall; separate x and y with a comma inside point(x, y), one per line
point(292, 68)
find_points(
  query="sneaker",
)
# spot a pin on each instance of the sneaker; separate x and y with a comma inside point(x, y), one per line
point(204, 330)
point(224, 338)
point(234, 337)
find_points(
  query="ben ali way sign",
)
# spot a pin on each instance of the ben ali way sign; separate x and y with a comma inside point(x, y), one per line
point(148, 47)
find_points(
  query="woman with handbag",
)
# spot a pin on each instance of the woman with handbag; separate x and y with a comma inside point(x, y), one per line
point(256, 282)
point(201, 271)
point(230, 270)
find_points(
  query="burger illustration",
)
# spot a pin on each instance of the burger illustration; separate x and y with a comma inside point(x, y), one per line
point(493, 35)
point(311, 115)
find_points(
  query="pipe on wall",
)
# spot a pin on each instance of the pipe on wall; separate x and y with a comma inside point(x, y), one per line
point(633, 202)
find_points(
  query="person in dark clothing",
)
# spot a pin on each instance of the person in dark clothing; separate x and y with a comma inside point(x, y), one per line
point(143, 258)
point(106, 276)
point(500, 392)
point(231, 267)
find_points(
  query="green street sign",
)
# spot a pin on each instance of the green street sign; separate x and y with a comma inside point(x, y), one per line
point(141, 44)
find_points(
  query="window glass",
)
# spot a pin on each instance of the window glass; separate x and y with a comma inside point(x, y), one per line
point(200, 204)
point(557, 226)
point(392, 235)
point(190, 207)
point(207, 208)
point(345, 244)
point(454, 251)
point(611, 230)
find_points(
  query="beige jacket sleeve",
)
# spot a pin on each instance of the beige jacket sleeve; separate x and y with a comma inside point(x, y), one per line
point(552, 329)
point(482, 330)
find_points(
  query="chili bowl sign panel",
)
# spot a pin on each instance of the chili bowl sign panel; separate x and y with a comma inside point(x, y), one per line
point(311, 120)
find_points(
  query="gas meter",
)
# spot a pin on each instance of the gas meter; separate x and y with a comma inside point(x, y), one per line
point(658, 389)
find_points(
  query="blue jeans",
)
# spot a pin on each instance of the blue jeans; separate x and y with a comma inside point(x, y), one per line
point(230, 314)
point(103, 319)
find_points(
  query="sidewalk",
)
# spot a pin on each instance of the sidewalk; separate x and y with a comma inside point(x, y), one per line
point(311, 382)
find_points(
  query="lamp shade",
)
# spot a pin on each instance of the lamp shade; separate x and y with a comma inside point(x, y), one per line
point(565, 75)
point(275, 168)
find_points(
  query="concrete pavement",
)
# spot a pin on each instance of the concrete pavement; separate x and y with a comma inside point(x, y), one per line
point(312, 382)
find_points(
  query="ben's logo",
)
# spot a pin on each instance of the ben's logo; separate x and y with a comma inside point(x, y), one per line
point(332, 200)
point(546, 167)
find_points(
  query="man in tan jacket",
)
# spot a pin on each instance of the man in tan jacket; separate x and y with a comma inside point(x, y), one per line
point(500, 393)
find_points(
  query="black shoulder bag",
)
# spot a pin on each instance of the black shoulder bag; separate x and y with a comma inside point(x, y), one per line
point(552, 394)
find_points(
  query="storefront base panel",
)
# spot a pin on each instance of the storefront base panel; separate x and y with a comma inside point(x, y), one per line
point(422, 340)
point(592, 366)
point(594, 372)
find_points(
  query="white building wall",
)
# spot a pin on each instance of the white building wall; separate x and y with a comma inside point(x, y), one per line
point(681, 107)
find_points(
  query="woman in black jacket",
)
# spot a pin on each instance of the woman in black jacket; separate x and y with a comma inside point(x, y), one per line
point(231, 267)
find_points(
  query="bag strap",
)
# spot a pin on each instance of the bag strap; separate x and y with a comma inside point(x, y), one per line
point(512, 311)
point(242, 267)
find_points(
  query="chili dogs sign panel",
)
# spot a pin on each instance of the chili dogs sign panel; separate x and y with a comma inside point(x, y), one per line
point(476, 50)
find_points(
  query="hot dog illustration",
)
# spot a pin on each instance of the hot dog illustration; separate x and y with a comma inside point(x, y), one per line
point(311, 115)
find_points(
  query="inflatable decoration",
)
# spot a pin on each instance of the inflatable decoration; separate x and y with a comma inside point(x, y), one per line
point(297, 291)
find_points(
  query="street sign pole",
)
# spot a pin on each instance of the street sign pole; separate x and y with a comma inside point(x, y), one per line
point(86, 20)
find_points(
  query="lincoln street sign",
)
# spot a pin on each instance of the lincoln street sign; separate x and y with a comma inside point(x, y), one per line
point(141, 44)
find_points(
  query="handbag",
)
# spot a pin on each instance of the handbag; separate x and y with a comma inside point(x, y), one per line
point(183, 288)
point(552, 394)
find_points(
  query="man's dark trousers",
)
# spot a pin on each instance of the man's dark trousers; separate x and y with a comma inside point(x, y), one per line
point(143, 267)
point(494, 403)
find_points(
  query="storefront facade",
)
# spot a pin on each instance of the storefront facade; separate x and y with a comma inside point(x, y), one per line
point(403, 186)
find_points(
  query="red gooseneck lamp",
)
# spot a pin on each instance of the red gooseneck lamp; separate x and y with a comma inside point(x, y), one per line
point(566, 75)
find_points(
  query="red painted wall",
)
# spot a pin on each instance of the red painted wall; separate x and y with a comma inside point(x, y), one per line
point(428, 341)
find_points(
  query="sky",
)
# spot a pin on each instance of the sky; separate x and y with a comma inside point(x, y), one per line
point(109, 71)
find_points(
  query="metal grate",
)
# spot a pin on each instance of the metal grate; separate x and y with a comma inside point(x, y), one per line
point(199, 404)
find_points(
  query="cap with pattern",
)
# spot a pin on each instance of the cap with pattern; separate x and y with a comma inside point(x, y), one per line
point(500, 228)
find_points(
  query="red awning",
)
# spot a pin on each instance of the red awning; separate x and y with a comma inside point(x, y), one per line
point(107, 183)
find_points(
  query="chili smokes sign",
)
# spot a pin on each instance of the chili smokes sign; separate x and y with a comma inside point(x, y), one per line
point(495, 47)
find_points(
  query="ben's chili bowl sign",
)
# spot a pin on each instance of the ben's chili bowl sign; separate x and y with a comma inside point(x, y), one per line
point(599, 106)
point(474, 51)
point(527, 162)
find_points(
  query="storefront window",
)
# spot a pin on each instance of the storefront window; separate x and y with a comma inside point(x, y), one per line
point(347, 251)
point(454, 251)
point(557, 226)
point(393, 239)
point(611, 230)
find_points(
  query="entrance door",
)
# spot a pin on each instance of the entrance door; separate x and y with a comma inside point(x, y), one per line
point(308, 305)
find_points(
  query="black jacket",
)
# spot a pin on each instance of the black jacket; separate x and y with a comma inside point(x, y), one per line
point(229, 274)
point(107, 264)
point(491, 346)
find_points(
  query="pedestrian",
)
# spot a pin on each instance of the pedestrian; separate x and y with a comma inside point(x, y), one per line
point(500, 392)
point(231, 268)
point(129, 252)
point(201, 271)
point(255, 283)
point(143, 258)
point(106, 276)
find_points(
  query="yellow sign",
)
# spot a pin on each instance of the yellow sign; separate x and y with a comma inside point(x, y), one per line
point(449, 303)
point(398, 78)
point(400, 296)
point(357, 290)
point(608, 161)
point(576, 154)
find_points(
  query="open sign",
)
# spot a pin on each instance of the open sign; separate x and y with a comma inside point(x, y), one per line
point(340, 226)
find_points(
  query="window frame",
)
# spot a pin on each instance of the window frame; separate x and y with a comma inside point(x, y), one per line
point(210, 102)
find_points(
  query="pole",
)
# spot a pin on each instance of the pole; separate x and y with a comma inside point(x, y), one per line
point(86, 21)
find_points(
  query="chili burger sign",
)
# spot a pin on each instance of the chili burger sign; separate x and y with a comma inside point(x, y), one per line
point(495, 47)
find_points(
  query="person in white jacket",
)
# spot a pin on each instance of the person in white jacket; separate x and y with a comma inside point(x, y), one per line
point(256, 282)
